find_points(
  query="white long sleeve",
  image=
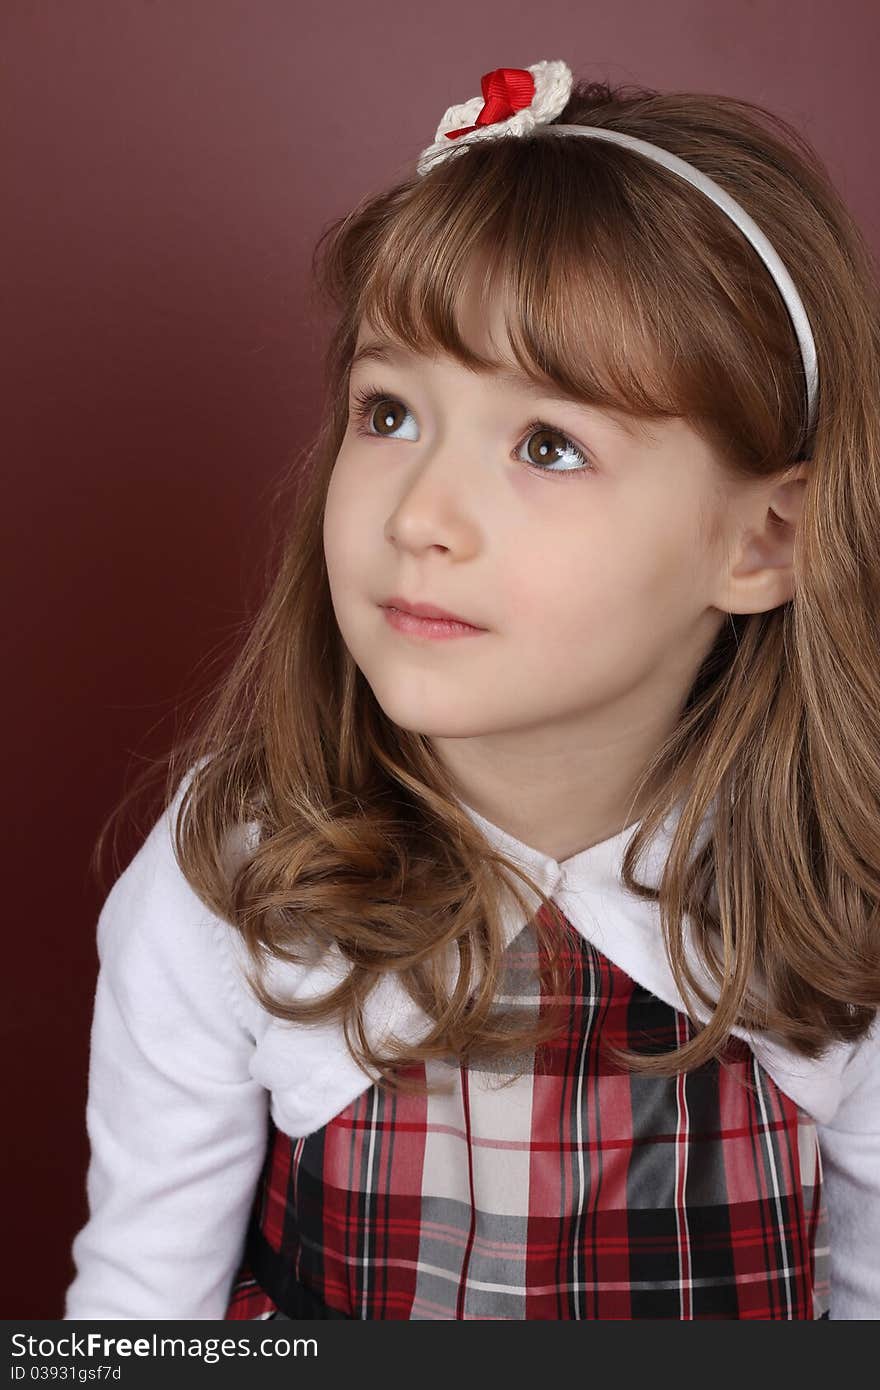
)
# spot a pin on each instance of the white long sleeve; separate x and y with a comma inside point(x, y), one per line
point(177, 1125)
point(850, 1148)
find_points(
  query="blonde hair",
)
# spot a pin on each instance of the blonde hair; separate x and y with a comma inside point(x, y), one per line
point(634, 291)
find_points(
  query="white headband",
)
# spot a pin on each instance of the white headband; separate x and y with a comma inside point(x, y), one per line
point(515, 100)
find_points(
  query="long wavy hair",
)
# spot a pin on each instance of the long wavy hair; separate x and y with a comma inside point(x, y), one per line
point(631, 290)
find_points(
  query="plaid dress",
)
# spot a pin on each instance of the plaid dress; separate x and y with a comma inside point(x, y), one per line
point(580, 1190)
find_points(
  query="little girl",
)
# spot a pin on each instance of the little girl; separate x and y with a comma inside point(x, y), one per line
point(508, 945)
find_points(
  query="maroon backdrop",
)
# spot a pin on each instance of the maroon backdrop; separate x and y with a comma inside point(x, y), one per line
point(167, 168)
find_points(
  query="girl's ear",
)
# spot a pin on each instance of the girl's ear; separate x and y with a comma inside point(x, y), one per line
point(761, 577)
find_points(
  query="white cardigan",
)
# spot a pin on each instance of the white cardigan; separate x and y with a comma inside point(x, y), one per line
point(185, 1064)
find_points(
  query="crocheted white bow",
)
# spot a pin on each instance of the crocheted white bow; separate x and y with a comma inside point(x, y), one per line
point(514, 101)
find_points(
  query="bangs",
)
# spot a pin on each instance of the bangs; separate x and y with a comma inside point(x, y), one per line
point(596, 302)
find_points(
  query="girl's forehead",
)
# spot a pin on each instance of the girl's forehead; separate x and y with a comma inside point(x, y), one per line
point(483, 334)
point(372, 346)
point(482, 307)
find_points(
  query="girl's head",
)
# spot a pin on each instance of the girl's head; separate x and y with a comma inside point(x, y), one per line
point(496, 469)
point(565, 401)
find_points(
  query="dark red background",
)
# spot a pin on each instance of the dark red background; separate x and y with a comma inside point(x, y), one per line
point(167, 167)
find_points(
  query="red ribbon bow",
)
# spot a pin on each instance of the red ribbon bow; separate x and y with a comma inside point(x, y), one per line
point(505, 91)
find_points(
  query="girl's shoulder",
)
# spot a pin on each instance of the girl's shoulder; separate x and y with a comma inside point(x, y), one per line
point(171, 962)
point(158, 940)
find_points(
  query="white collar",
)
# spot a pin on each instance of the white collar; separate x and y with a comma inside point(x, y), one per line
point(312, 1075)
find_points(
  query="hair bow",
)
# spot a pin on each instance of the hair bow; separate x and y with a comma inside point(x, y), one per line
point(514, 101)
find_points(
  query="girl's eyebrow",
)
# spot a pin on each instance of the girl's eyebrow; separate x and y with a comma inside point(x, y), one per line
point(390, 352)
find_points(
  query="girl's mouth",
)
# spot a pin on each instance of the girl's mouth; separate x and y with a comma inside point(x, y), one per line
point(434, 628)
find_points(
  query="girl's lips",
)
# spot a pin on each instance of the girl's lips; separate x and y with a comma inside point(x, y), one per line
point(425, 610)
point(431, 628)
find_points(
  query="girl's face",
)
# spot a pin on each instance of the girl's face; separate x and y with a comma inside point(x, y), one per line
point(586, 549)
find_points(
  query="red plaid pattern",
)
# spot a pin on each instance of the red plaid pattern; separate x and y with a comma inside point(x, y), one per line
point(578, 1191)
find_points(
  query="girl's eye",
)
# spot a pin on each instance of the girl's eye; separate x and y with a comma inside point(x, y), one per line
point(546, 444)
point(366, 411)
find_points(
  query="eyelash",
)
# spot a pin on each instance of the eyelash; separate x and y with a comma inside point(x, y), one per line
point(366, 400)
